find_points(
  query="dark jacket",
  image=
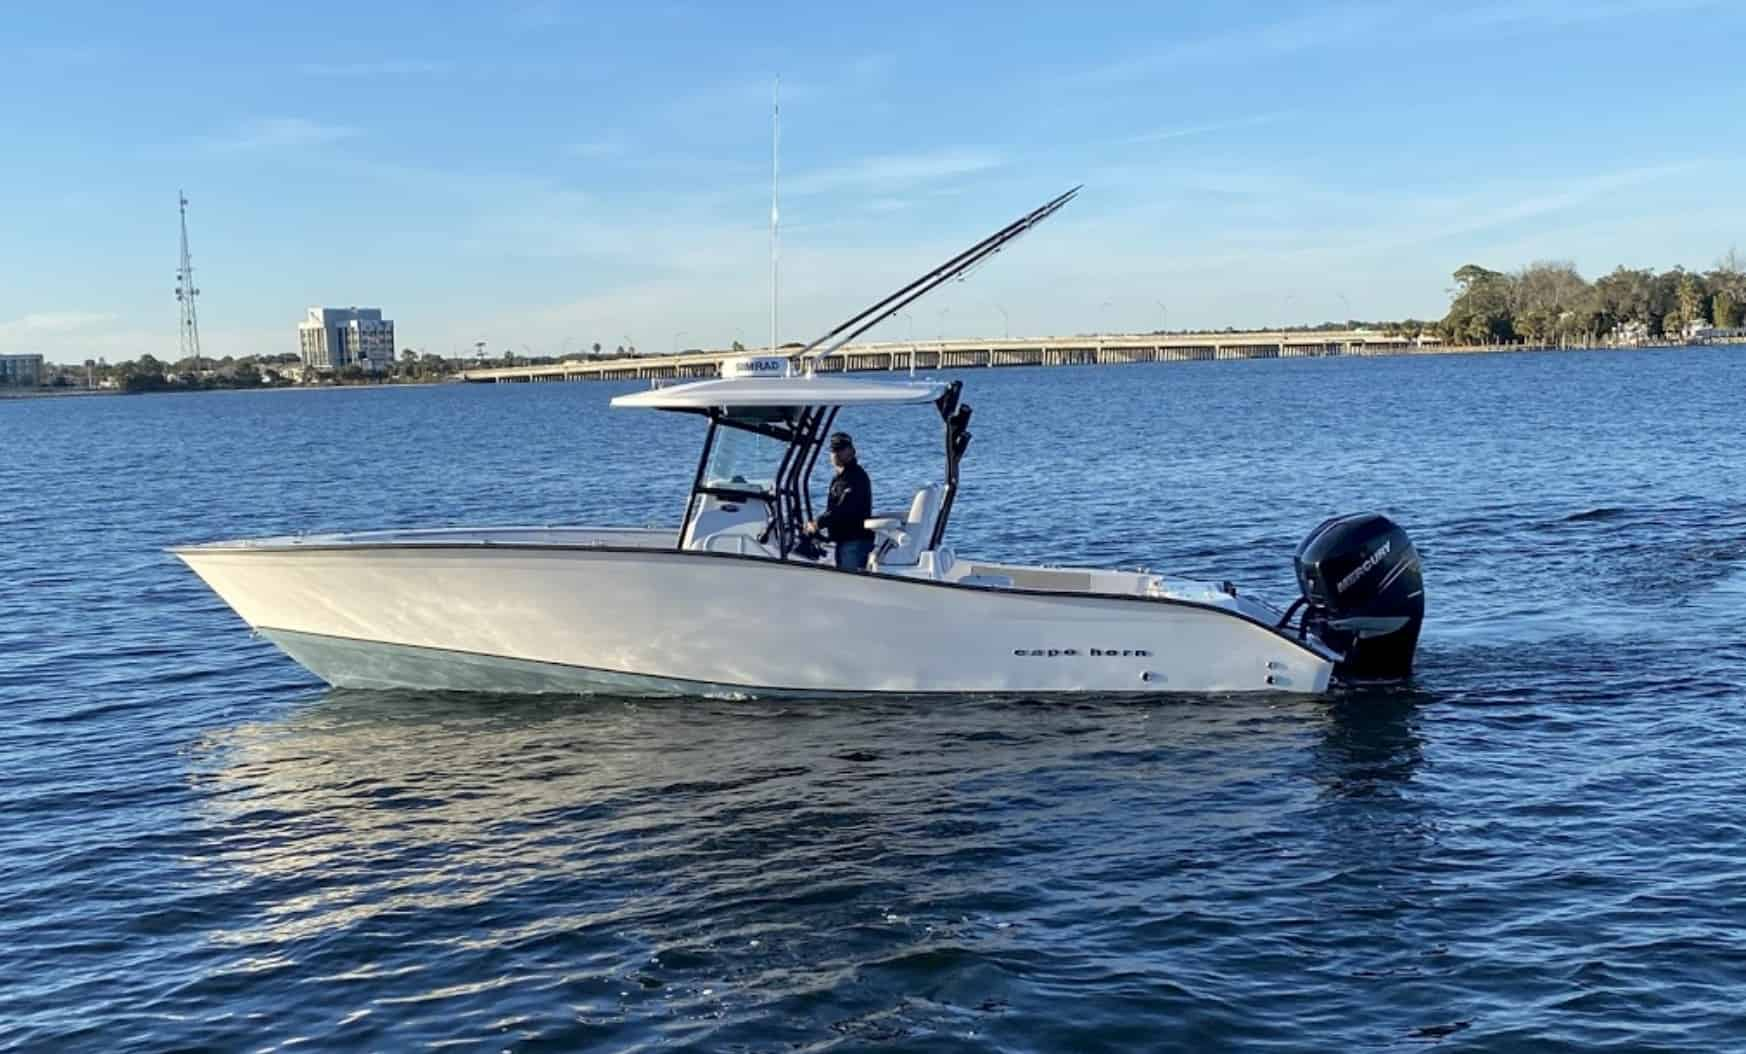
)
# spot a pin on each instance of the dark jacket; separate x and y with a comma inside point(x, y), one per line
point(850, 506)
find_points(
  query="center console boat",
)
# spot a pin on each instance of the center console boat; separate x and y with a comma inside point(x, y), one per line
point(739, 600)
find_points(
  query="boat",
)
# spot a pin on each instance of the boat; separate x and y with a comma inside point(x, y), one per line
point(739, 600)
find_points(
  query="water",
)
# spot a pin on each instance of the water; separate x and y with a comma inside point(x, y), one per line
point(1534, 846)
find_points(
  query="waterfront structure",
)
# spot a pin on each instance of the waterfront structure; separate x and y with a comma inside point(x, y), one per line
point(1633, 333)
point(1719, 335)
point(21, 371)
point(332, 338)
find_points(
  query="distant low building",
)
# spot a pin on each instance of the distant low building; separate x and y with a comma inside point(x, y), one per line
point(1630, 334)
point(1718, 334)
point(332, 338)
point(21, 371)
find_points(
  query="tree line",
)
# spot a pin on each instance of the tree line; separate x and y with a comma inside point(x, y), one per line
point(1549, 302)
point(148, 373)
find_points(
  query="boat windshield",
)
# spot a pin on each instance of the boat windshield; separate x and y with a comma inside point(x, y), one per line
point(744, 461)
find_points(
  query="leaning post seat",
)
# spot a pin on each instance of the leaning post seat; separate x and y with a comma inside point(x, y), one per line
point(899, 543)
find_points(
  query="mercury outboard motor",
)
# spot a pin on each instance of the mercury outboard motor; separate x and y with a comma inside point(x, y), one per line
point(1363, 594)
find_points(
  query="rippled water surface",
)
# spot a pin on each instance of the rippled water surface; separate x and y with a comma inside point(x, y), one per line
point(1536, 845)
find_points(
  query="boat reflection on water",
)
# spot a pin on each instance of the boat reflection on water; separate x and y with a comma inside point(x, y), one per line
point(1375, 861)
point(675, 851)
point(356, 775)
point(373, 802)
point(1371, 743)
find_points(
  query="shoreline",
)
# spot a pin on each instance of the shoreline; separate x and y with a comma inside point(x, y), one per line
point(79, 393)
point(626, 369)
point(1009, 353)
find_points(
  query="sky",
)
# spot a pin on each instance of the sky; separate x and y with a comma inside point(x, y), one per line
point(545, 175)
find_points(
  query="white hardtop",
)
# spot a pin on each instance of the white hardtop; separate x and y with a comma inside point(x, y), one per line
point(783, 391)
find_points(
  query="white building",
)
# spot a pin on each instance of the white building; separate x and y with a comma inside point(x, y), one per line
point(1633, 333)
point(290, 371)
point(333, 338)
point(1718, 334)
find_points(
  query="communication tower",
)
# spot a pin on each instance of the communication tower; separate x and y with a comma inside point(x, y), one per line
point(185, 294)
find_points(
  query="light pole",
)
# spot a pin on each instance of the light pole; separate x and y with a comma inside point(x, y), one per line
point(1104, 309)
point(1348, 305)
point(630, 347)
point(676, 337)
point(1164, 311)
point(1005, 321)
point(909, 321)
point(944, 311)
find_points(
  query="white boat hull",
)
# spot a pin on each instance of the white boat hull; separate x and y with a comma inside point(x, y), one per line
point(624, 612)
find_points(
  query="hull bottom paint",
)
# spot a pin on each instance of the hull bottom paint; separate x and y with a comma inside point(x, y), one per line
point(375, 666)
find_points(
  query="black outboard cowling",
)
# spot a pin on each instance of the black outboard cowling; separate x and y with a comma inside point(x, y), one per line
point(1364, 594)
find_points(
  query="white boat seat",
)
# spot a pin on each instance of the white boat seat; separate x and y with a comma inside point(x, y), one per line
point(901, 543)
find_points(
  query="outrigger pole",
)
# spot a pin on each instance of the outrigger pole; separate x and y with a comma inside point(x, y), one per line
point(953, 268)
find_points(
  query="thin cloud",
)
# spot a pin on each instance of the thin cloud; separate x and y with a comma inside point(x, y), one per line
point(1184, 132)
point(46, 322)
point(1367, 25)
point(1579, 193)
point(871, 66)
point(63, 54)
point(278, 133)
point(542, 14)
point(1552, 13)
point(1321, 29)
point(380, 68)
point(597, 148)
point(891, 174)
point(1487, 209)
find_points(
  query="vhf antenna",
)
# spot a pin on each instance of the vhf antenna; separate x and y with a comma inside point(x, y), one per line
point(775, 212)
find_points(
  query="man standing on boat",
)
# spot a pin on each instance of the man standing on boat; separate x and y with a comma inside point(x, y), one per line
point(844, 520)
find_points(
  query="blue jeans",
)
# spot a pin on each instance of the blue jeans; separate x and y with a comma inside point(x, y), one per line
point(852, 556)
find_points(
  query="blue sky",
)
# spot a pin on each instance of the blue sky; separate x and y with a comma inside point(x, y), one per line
point(552, 174)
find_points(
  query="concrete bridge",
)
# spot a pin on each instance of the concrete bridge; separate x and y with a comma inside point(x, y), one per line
point(1096, 350)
